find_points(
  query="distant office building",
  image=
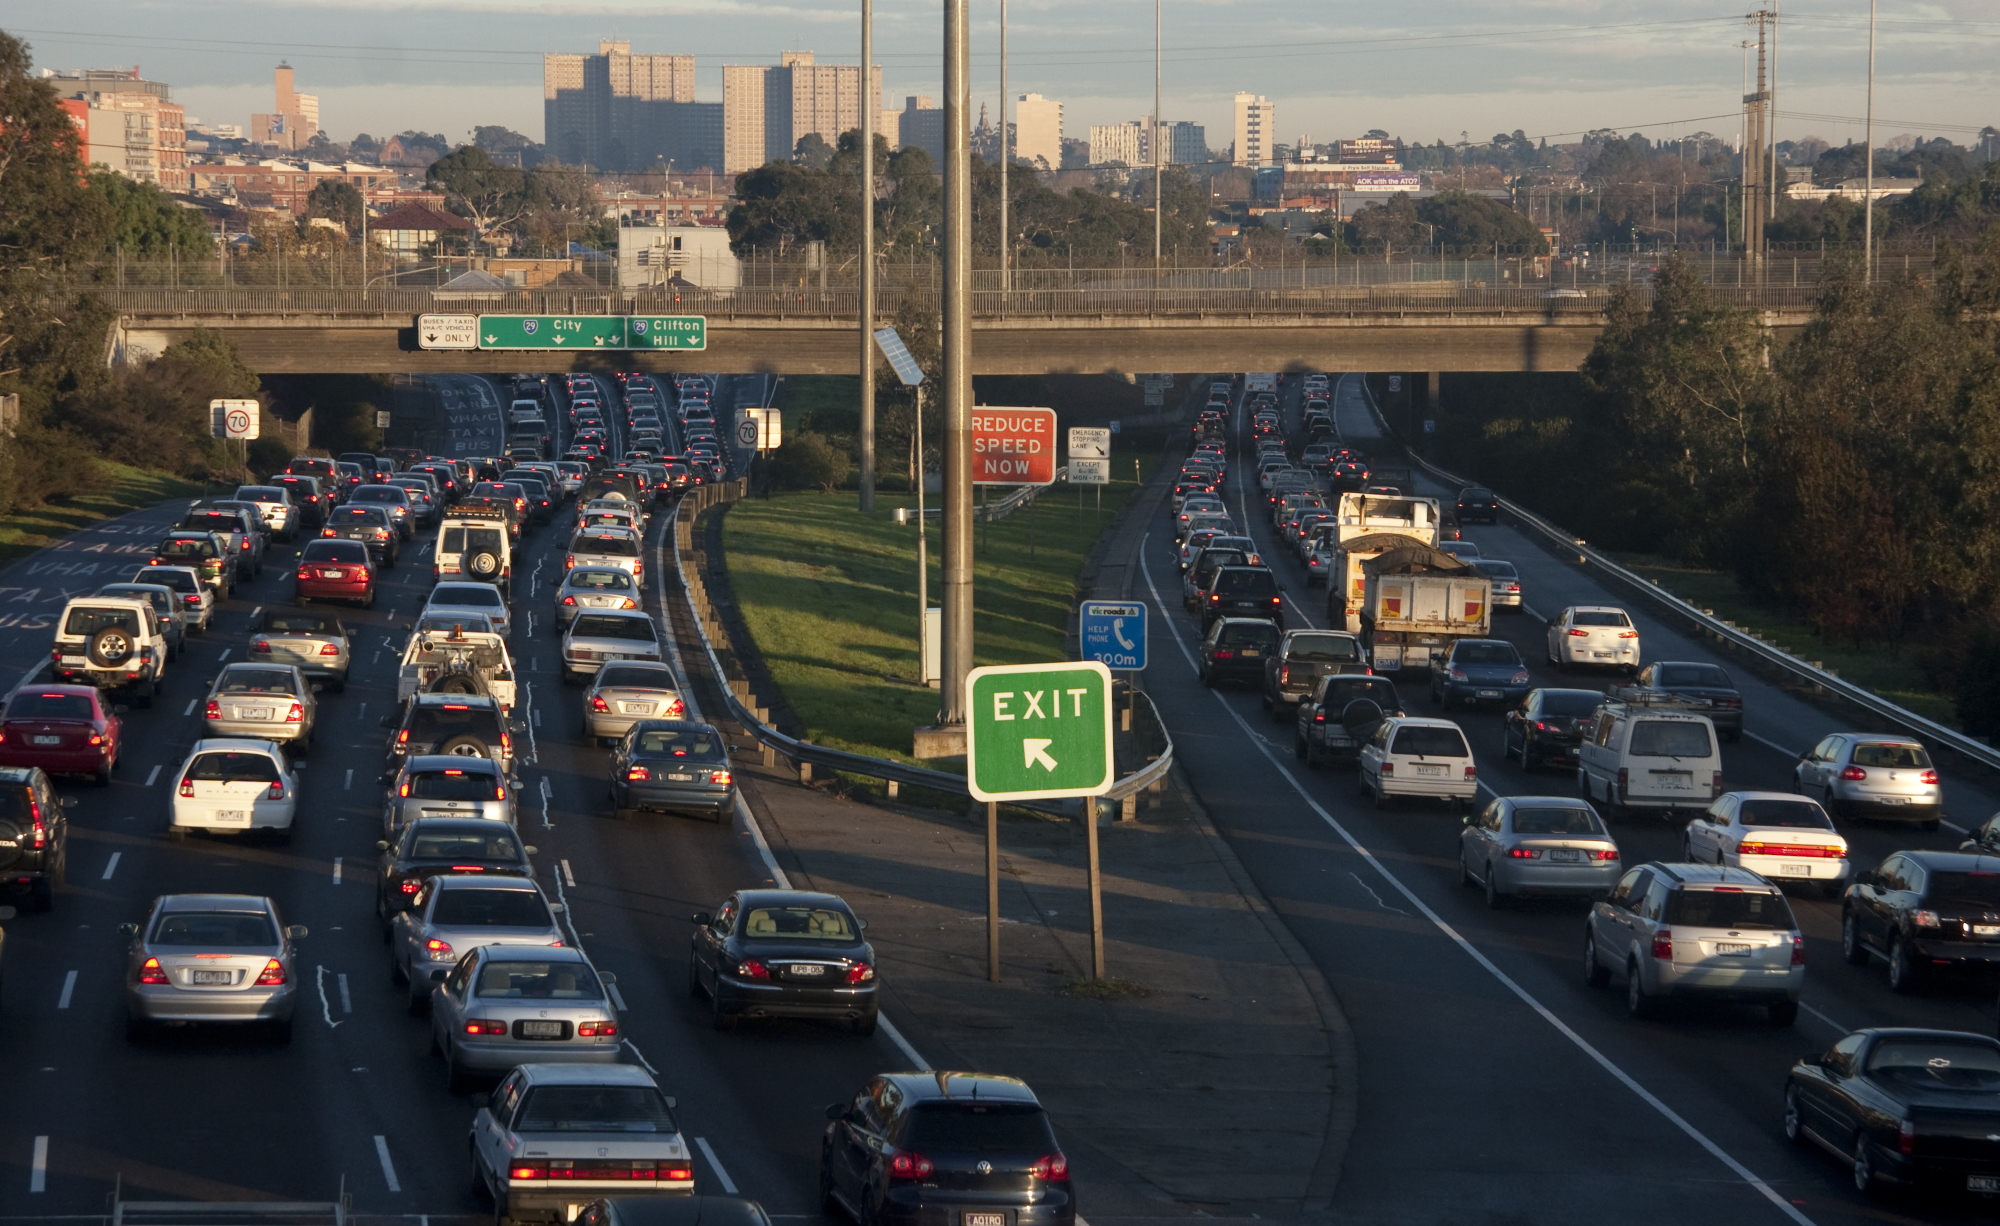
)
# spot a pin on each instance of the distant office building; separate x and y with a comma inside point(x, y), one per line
point(1119, 142)
point(1256, 125)
point(888, 126)
point(1038, 128)
point(620, 111)
point(766, 111)
point(126, 125)
point(920, 125)
point(676, 255)
point(293, 122)
point(1186, 143)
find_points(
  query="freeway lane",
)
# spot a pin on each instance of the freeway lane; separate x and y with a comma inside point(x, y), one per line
point(1455, 1064)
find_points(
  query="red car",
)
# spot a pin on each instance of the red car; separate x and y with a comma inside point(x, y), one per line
point(64, 729)
point(335, 570)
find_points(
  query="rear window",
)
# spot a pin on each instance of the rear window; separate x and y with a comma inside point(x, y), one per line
point(86, 621)
point(168, 577)
point(301, 623)
point(1379, 690)
point(491, 909)
point(1430, 742)
point(617, 545)
point(225, 766)
point(470, 540)
point(538, 981)
point(1694, 674)
point(255, 681)
point(1213, 557)
point(594, 1109)
point(479, 597)
point(1980, 891)
point(1256, 634)
point(635, 678)
point(799, 924)
point(1486, 653)
point(215, 928)
point(1246, 583)
point(1595, 617)
point(429, 723)
point(184, 548)
point(1556, 821)
point(374, 517)
point(696, 745)
point(1571, 706)
point(335, 551)
point(1890, 757)
point(1661, 738)
point(30, 705)
point(1801, 814)
point(1023, 1128)
point(1727, 907)
point(465, 845)
point(1932, 1064)
point(598, 626)
point(452, 785)
point(1498, 570)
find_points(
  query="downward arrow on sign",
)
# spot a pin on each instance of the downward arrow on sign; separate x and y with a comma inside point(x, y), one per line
point(1036, 749)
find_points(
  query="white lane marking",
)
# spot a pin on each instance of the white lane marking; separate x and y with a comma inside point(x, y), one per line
point(546, 823)
point(375, 659)
point(257, 612)
point(715, 1164)
point(325, 1006)
point(224, 656)
point(1770, 744)
point(534, 749)
point(347, 782)
point(763, 848)
point(190, 707)
point(569, 878)
point(1472, 951)
point(535, 718)
point(346, 1000)
point(336, 870)
point(153, 775)
point(896, 1036)
point(361, 711)
point(1377, 897)
point(69, 990)
point(388, 1167)
point(1824, 1018)
point(111, 865)
point(616, 998)
point(38, 1171)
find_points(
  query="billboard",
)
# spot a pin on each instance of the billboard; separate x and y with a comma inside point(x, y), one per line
point(1387, 181)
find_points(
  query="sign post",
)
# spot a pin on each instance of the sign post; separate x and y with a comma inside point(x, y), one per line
point(447, 331)
point(929, 665)
point(241, 420)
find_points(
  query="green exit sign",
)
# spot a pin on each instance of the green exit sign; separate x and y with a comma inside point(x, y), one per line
point(616, 332)
point(1037, 731)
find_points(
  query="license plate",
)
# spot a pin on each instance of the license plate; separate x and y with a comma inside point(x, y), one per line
point(333, 574)
point(1430, 770)
point(1675, 782)
point(48, 740)
point(254, 712)
point(1888, 800)
point(541, 1030)
point(1602, 655)
point(1251, 651)
point(677, 777)
point(1986, 930)
point(1730, 949)
point(1799, 870)
point(232, 815)
point(1565, 855)
point(73, 659)
point(985, 1219)
point(212, 977)
point(808, 969)
point(636, 708)
point(1489, 693)
point(1982, 1183)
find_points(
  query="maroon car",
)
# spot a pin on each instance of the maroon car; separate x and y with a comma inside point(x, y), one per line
point(335, 570)
point(64, 729)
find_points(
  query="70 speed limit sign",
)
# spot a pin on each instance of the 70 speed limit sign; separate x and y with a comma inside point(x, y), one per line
point(762, 429)
point(234, 419)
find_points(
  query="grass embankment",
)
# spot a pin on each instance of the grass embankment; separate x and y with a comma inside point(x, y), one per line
point(129, 489)
point(830, 596)
point(1889, 669)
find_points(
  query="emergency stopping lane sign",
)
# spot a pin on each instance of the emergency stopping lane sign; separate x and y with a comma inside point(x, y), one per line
point(1039, 731)
point(1013, 446)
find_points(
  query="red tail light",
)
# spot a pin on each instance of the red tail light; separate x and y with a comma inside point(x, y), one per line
point(1472, 772)
point(751, 968)
point(260, 647)
point(1285, 674)
point(329, 649)
point(860, 972)
point(187, 785)
point(1525, 853)
point(569, 600)
point(1388, 768)
point(486, 1028)
point(1054, 1166)
point(1929, 777)
point(214, 709)
point(1798, 951)
point(1225, 655)
point(327, 532)
point(638, 774)
point(436, 949)
point(907, 1165)
point(1605, 855)
point(403, 737)
point(150, 972)
point(528, 1170)
point(596, 1030)
point(721, 777)
point(1579, 634)
point(411, 887)
point(296, 715)
point(1624, 780)
point(1663, 944)
point(598, 704)
point(304, 573)
point(277, 791)
point(273, 975)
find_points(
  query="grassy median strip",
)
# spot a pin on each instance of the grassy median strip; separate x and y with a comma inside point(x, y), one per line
point(830, 595)
point(24, 532)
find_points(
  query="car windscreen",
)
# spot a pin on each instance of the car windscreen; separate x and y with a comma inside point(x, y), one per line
point(470, 540)
point(599, 626)
point(231, 766)
point(1891, 757)
point(260, 493)
point(1565, 820)
point(491, 909)
point(1212, 557)
point(1492, 654)
point(602, 578)
point(460, 596)
point(452, 785)
point(1936, 1064)
point(1801, 814)
point(1497, 570)
point(283, 622)
point(1598, 617)
point(1694, 674)
point(1964, 891)
point(86, 621)
point(27, 704)
point(255, 681)
point(213, 521)
point(798, 924)
point(982, 1127)
point(594, 1109)
point(1430, 742)
point(173, 577)
point(1730, 907)
point(1667, 738)
point(435, 723)
point(1571, 706)
point(1476, 495)
point(463, 845)
point(215, 928)
point(1246, 583)
point(630, 677)
point(694, 744)
point(510, 980)
point(1255, 634)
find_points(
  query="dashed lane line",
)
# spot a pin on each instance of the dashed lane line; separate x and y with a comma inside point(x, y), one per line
point(38, 1169)
point(388, 1166)
point(68, 990)
point(111, 865)
point(715, 1164)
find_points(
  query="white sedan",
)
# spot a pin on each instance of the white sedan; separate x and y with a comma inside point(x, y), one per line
point(233, 785)
point(1595, 635)
point(455, 596)
point(1773, 834)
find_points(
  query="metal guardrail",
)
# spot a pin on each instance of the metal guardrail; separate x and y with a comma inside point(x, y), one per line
point(1903, 718)
point(693, 589)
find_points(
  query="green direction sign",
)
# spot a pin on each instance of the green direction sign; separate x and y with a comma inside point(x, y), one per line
point(593, 332)
point(667, 332)
point(1035, 731)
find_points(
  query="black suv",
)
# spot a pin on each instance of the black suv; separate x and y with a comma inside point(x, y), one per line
point(468, 725)
point(34, 835)
point(970, 1148)
point(429, 846)
point(1242, 591)
point(1925, 912)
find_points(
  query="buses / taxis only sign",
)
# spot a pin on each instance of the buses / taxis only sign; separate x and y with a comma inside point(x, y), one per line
point(1037, 731)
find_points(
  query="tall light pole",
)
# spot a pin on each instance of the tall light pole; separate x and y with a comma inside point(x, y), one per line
point(867, 336)
point(1006, 153)
point(1868, 157)
point(1159, 201)
point(957, 341)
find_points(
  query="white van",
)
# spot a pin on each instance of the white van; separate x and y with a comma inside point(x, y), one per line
point(1649, 756)
point(1418, 757)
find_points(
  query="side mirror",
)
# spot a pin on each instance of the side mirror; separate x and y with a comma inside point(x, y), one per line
point(1465, 819)
point(1814, 1059)
point(862, 922)
point(1969, 845)
point(69, 802)
point(607, 977)
point(702, 919)
point(673, 1104)
point(836, 1111)
point(1867, 878)
point(296, 932)
point(530, 851)
point(381, 844)
point(556, 908)
point(128, 930)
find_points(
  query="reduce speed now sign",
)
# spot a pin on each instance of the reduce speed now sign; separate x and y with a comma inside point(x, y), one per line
point(1013, 446)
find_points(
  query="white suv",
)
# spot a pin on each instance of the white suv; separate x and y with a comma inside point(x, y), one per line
point(1697, 930)
point(111, 642)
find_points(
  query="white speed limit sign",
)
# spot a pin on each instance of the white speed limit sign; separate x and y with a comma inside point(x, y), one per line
point(746, 432)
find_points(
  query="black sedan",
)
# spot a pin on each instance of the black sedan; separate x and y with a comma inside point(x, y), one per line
point(1548, 725)
point(1478, 506)
point(430, 846)
point(783, 953)
point(672, 765)
point(1707, 685)
point(1903, 1106)
point(1925, 913)
point(371, 526)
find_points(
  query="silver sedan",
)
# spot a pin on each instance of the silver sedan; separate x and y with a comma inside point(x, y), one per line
point(211, 958)
point(623, 694)
point(453, 915)
point(596, 639)
point(265, 702)
point(594, 587)
point(1538, 845)
point(507, 1005)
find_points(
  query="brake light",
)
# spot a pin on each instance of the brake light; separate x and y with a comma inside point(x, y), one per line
point(907, 1165)
point(1579, 634)
point(1225, 655)
point(296, 715)
point(1798, 951)
point(277, 791)
point(95, 739)
point(633, 604)
point(150, 972)
point(1628, 634)
point(638, 774)
point(1624, 780)
point(860, 972)
point(569, 600)
point(569, 561)
point(1388, 768)
point(304, 573)
point(330, 649)
point(1929, 777)
point(403, 737)
point(721, 777)
point(273, 974)
point(598, 704)
point(486, 1027)
point(260, 647)
point(1663, 944)
point(411, 886)
point(1715, 785)
point(1472, 772)
point(327, 532)
point(1611, 854)
point(437, 949)
point(528, 1170)
point(1525, 853)
point(596, 1030)
point(507, 742)
point(1054, 1166)
point(751, 968)
point(214, 710)
point(1215, 598)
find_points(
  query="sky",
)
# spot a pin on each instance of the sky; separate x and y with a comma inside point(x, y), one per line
point(1422, 70)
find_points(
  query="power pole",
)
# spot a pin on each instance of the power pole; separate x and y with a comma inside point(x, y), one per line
point(1159, 200)
point(1756, 157)
point(1006, 154)
point(957, 340)
point(1868, 158)
point(868, 260)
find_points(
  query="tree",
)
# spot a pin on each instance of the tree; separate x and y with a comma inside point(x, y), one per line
point(813, 152)
point(808, 459)
point(1465, 220)
point(1386, 226)
point(489, 195)
point(157, 416)
point(337, 200)
point(148, 222)
point(560, 205)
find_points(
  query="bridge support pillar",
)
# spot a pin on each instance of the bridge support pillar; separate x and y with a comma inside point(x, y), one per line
point(1431, 380)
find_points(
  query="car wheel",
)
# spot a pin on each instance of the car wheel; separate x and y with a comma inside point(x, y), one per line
point(1795, 1128)
point(1829, 802)
point(1637, 1003)
point(1381, 798)
point(1494, 898)
point(103, 777)
point(1851, 948)
point(1902, 971)
point(1687, 852)
point(482, 1192)
point(1595, 974)
point(1863, 1167)
point(1783, 1012)
point(1464, 870)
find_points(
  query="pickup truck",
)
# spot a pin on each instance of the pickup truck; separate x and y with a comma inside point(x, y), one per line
point(456, 661)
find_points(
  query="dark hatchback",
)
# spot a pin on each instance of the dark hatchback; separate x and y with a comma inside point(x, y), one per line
point(464, 725)
point(34, 835)
point(672, 765)
point(370, 525)
point(783, 953)
point(1479, 670)
point(1235, 649)
point(1926, 913)
point(1242, 591)
point(1708, 683)
point(945, 1149)
point(1478, 506)
point(1908, 1106)
point(1548, 725)
point(1330, 726)
point(430, 846)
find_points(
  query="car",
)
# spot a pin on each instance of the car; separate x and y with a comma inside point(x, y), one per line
point(1548, 725)
point(539, 1141)
point(1926, 914)
point(1783, 837)
point(1234, 649)
point(266, 702)
point(1413, 756)
point(174, 616)
point(910, 1149)
point(309, 498)
point(275, 502)
point(197, 599)
point(34, 836)
point(441, 785)
point(1522, 846)
point(211, 958)
point(452, 597)
point(60, 730)
point(454, 913)
point(111, 643)
point(234, 785)
point(425, 502)
point(1593, 635)
point(612, 547)
point(474, 543)
point(1701, 931)
point(1220, 551)
point(334, 570)
point(1291, 673)
point(1706, 685)
point(1478, 505)
point(241, 541)
point(1338, 717)
point(1649, 756)
point(609, 513)
point(1242, 591)
point(1472, 671)
point(1905, 1105)
point(594, 587)
point(783, 953)
point(672, 765)
point(599, 637)
point(427, 847)
point(369, 525)
point(1506, 581)
point(209, 554)
point(503, 1006)
point(313, 642)
point(1880, 775)
point(453, 725)
point(624, 693)
point(1464, 551)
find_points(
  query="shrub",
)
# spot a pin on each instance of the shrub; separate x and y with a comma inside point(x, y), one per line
point(808, 459)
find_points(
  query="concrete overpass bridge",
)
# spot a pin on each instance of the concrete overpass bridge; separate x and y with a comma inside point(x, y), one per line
point(1126, 328)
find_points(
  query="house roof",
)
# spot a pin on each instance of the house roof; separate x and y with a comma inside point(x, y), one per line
point(419, 217)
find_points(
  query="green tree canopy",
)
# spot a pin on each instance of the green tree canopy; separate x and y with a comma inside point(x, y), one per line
point(337, 200)
point(1465, 220)
point(489, 195)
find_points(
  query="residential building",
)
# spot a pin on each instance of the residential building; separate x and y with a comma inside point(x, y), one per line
point(293, 121)
point(1256, 130)
point(1855, 190)
point(645, 209)
point(620, 111)
point(1119, 142)
point(126, 124)
point(412, 231)
point(920, 125)
point(1038, 128)
point(676, 255)
point(1186, 143)
point(742, 118)
point(888, 121)
point(286, 184)
point(767, 110)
